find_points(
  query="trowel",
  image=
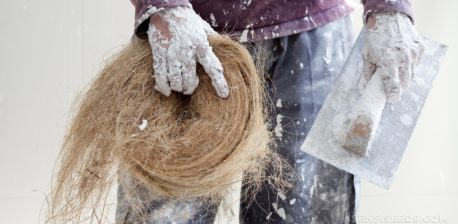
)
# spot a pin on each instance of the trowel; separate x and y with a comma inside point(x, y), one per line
point(357, 130)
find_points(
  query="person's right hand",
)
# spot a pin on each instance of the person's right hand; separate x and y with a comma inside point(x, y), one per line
point(178, 39)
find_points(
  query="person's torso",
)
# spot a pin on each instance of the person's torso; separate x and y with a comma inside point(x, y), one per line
point(241, 14)
point(238, 15)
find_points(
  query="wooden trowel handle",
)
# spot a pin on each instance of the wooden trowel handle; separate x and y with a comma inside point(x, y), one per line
point(366, 116)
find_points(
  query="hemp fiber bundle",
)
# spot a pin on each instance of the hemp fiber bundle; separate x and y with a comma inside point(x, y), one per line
point(192, 146)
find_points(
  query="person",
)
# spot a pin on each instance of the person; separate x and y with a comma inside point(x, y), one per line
point(305, 43)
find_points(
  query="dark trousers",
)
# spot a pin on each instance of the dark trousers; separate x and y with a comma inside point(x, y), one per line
point(301, 70)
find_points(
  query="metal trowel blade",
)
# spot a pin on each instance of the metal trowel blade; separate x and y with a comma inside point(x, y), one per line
point(395, 128)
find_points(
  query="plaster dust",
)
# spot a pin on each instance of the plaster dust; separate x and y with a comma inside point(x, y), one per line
point(190, 148)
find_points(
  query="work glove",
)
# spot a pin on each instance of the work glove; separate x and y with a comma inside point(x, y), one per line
point(178, 39)
point(392, 45)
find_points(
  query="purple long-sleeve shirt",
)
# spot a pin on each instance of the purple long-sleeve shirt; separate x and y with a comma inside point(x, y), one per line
point(265, 19)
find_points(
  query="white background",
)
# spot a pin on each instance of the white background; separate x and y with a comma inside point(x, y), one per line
point(51, 49)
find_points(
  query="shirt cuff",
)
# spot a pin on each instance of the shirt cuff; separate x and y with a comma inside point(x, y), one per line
point(144, 9)
point(402, 6)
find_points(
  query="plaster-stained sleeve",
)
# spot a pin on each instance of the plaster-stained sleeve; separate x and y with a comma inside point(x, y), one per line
point(402, 6)
point(145, 8)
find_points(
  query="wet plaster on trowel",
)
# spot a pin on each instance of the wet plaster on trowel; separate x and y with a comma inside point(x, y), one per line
point(406, 119)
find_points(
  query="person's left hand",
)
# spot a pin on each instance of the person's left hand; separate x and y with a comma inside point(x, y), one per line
point(392, 45)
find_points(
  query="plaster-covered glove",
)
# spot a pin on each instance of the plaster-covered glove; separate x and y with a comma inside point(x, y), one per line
point(178, 38)
point(392, 45)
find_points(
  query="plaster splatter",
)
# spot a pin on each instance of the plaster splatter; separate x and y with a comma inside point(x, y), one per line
point(406, 119)
point(281, 195)
point(151, 10)
point(247, 2)
point(244, 36)
point(278, 127)
point(268, 216)
point(323, 196)
point(213, 20)
point(275, 206)
point(315, 182)
point(281, 213)
point(327, 56)
point(143, 125)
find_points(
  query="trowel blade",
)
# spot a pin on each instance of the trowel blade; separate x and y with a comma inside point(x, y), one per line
point(398, 120)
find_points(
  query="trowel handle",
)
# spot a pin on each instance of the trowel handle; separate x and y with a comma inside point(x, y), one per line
point(366, 117)
point(373, 98)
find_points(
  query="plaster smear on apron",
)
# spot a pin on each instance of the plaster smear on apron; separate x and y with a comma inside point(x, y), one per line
point(278, 127)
